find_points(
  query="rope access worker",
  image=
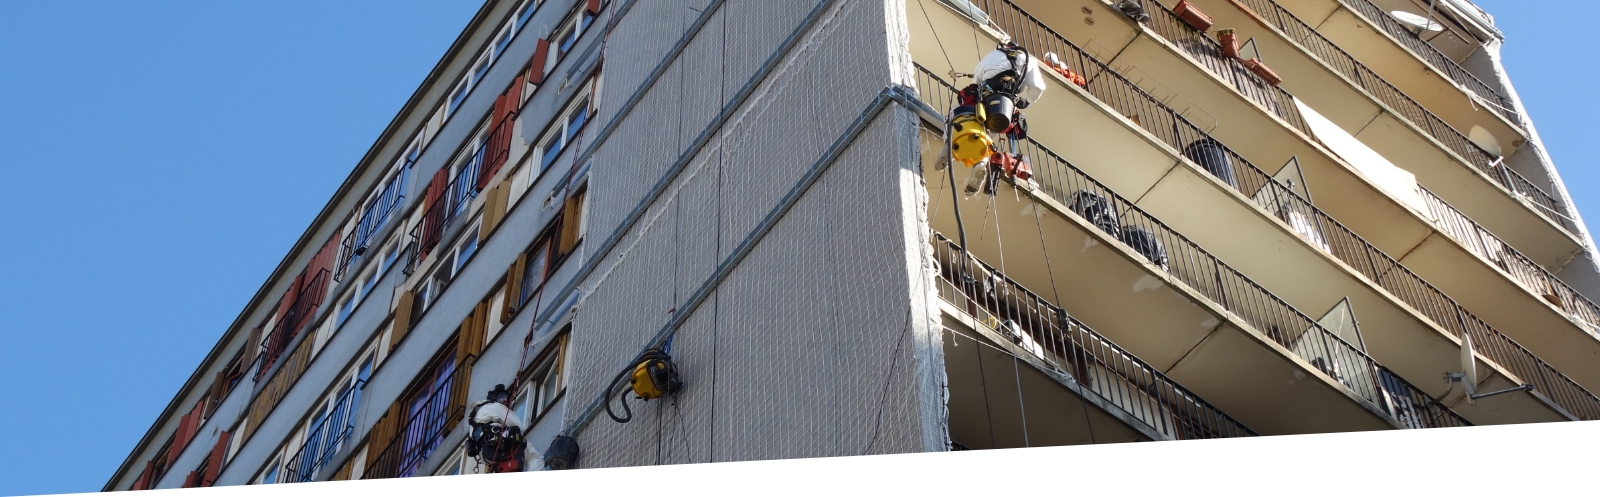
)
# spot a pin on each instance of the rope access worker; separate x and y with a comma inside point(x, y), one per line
point(496, 439)
point(1007, 80)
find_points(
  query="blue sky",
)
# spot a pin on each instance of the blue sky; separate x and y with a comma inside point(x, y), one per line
point(164, 155)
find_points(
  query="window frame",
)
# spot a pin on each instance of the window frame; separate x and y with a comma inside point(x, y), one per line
point(560, 129)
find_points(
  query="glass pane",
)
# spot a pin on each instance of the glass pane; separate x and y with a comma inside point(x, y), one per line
point(469, 247)
point(552, 149)
point(579, 117)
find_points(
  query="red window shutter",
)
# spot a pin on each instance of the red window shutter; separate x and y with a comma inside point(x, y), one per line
point(187, 427)
point(214, 464)
point(433, 216)
point(536, 73)
point(189, 481)
point(594, 7)
point(143, 481)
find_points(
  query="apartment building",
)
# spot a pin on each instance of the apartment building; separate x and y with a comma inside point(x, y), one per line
point(1245, 217)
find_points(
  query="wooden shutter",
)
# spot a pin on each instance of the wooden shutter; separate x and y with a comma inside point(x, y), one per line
point(513, 296)
point(402, 318)
point(494, 210)
point(536, 69)
point(593, 7)
point(383, 432)
point(143, 481)
point(219, 388)
point(189, 481)
point(569, 223)
point(473, 332)
point(499, 148)
point(187, 427)
point(433, 215)
point(214, 462)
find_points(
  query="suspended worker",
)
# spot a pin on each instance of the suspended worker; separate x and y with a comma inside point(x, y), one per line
point(496, 439)
point(1007, 80)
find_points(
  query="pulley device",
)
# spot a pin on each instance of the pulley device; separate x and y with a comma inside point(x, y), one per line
point(651, 376)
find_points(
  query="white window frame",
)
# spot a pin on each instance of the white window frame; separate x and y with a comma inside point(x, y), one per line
point(559, 132)
point(273, 468)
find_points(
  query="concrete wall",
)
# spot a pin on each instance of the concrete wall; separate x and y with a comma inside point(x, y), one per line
point(806, 349)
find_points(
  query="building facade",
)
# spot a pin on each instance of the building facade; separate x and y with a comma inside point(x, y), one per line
point(1245, 217)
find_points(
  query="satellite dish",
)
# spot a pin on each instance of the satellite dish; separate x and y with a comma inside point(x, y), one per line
point(1484, 140)
point(1416, 21)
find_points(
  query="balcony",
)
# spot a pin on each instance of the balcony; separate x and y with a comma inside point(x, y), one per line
point(424, 423)
point(1241, 339)
point(373, 218)
point(1390, 121)
point(292, 321)
point(326, 436)
point(1415, 333)
point(1064, 350)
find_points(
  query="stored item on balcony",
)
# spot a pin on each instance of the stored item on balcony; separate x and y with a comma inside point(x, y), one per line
point(1095, 209)
point(1211, 155)
point(652, 376)
point(496, 438)
point(1261, 69)
point(1134, 9)
point(1230, 42)
point(562, 454)
point(1146, 243)
point(1054, 61)
point(969, 143)
point(1193, 16)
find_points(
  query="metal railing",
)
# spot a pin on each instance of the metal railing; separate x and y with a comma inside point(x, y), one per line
point(1326, 233)
point(1071, 348)
point(1425, 51)
point(462, 188)
point(424, 429)
point(1346, 65)
point(293, 320)
point(325, 438)
point(373, 218)
point(1532, 276)
point(1209, 54)
point(1208, 276)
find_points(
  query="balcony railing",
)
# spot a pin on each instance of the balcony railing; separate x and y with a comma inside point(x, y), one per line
point(293, 321)
point(1322, 230)
point(372, 219)
point(1532, 276)
point(326, 437)
point(1207, 275)
point(462, 188)
point(1067, 346)
point(1209, 54)
point(1425, 51)
point(1343, 63)
point(424, 428)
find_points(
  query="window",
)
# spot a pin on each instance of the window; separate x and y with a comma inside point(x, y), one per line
point(390, 255)
point(528, 9)
point(536, 397)
point(481, 67)
point(346, 306)
point(270, 474)
point(456, 97)
point(502, 41)
point(534, 272)
point(564, 130)
point(468, 247)
point(454, 466)
point(570, 32)
point(427, 409)
point(369, 282)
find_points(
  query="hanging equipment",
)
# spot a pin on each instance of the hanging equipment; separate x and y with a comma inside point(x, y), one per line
point(653, 375)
